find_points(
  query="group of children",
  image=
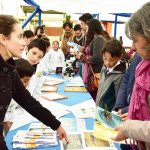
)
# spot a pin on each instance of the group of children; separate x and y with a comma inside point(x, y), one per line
point(36, 48)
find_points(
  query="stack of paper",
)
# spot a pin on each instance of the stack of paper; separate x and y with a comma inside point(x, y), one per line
point(76, 81)
point(52, 82)
point(48, 88)
point(75, 89)
point(37, 136)
point(53, 96)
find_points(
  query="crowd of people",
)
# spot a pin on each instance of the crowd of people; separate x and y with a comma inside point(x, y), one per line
point(123, 89)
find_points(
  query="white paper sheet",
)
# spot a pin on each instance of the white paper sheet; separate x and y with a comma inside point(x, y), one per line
point(56, 109)
point(84, 110)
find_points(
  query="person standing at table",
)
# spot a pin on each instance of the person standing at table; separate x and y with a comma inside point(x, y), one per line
point(67, 37)
point(91, 56)
point(84, 19)
point(12, 45)
point(79, 38)
point(138, 125)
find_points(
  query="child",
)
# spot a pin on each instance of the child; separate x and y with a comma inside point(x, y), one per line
point(25, 71)
point(28, 36)
point(54, 58)
point(111, 74)
point(138, 127)
point(36, 51)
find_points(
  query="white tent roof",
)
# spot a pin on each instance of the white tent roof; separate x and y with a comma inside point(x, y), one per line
point(91, 6)
point(79, 6)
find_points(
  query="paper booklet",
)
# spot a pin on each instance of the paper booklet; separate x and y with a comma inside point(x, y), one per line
point(74, 89)
point(46, 88)
point(72, 44)
point(73, 124)
point(52, 82)
point(107, 118)
point(103, 132)
point(75, 142)
point(85, 112)
point(76, 81)
point(53, 96)
point(93, 143)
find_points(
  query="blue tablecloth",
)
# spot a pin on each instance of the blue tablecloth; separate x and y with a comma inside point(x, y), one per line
point(73, 98)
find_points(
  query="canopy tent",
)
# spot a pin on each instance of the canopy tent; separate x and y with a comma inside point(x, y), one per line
point(106, 10)
point(94, 6)
point(91, 6)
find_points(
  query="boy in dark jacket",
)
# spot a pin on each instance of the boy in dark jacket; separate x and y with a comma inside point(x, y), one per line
point(111, 74)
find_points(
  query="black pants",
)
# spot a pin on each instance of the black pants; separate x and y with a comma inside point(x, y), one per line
point(126, 147)
point(2, 144)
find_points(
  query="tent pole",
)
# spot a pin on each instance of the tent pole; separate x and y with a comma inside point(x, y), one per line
point(115, 26)
point(39, 18)
point(30, 17)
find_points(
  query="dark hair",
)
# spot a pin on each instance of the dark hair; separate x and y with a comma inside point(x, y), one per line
point(38, 43)
point(7, 24)
point(56, 42)
point(114, 47)
point(94, 26)
point(69, 24)
point(24, 68)
point(47, 41)
point(39, 27)
point(106, 35)
point(28, 34)
point(77, 27)
point(86, 17)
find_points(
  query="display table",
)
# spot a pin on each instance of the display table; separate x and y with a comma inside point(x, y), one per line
point(73, 99)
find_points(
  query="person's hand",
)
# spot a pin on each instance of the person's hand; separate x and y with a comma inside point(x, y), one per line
point(120, 135)
point(78, 55)
point(62, 134)
point(119, 111)
point(124, 117)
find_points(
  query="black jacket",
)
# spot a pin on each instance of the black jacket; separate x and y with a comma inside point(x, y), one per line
point(12, 87)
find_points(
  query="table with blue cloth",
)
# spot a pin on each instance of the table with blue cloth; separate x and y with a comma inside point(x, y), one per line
point(73, 99)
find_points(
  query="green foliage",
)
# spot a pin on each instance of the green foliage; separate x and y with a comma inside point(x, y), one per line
point(67, 18)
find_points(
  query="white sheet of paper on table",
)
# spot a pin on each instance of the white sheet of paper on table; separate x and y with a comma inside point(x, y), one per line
point(84, 110)
point(26, 118)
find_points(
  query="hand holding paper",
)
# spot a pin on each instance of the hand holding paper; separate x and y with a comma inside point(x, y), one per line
point(120, 135)
point(62, 134)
